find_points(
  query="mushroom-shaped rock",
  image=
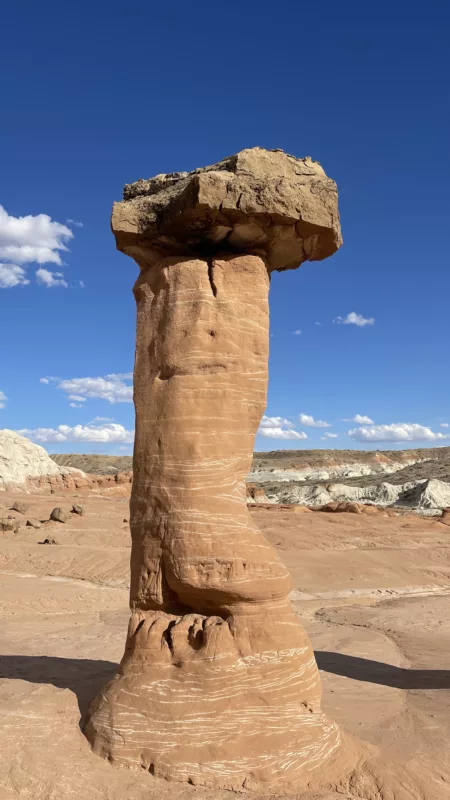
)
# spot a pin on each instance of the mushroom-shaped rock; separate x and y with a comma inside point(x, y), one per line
point(218, 685)
point(263, 201)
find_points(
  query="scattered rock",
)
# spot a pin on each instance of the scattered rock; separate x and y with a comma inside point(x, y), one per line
point(34, 523)
point(59, 515)
point(49, 540)
point(20, 507)
point(77, 509)
point(125, 520)
point(8, 524)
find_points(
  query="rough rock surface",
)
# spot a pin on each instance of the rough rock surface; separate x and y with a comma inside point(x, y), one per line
point(20, 507)
point(428, 496)
point(34, 523)
point(60, 515)
point(265, 200)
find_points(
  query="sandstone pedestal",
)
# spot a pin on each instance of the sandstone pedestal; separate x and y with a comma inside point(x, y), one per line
point(218, 685)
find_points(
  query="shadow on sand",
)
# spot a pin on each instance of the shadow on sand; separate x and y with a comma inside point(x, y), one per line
point(363, 669)
point(85, 677)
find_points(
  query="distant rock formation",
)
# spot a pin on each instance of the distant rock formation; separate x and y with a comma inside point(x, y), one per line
point(218, 685)
point(26, 466)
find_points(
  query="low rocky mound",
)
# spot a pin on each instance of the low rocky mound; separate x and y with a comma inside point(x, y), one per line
point(26, 466)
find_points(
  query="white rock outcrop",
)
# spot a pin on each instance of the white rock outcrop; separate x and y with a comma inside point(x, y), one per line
point(428, 496)
point(24, 464)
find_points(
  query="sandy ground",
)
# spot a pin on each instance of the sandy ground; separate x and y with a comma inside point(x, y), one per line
point(373, 593)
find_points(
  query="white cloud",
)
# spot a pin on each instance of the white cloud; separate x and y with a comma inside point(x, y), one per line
point(101, 419)
point(3, 399)
point(111, 432)
point(329, 435)
point(270, 422)
point(111, 388)
point(281, 433)
point(75, 405)
point(279, 428)
point(44, 380)
point(77, 398)
point(12, 275)
point(50, 279)
point(354, 319)
point(317, 323)
point(32, 238)
point(81, 284)
point(396, 432)
point(297, 332)
point(305, 419)
point(445, 425)
point(360, 419)
point(75, 223)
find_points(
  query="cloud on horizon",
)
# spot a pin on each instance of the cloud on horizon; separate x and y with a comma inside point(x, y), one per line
point(111, 432)
point(396, 432)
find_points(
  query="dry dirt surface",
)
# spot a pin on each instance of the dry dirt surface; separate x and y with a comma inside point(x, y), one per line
point(373, 593)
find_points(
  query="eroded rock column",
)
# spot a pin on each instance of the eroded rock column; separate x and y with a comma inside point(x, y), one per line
point(218, 685)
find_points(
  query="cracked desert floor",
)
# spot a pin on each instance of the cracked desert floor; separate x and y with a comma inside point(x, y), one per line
point(373, 593)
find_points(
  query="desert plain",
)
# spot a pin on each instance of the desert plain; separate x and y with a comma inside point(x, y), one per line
point(373, 592)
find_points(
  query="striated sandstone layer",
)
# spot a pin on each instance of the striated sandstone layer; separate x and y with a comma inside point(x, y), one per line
point(218, 685)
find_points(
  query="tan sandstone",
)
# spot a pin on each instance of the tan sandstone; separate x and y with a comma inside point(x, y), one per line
point(218, 685)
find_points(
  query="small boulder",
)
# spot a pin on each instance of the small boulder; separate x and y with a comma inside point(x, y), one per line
point(34, 523)
point(49, 540)
point(20, 507)
point(77, 509)
point(125, 519)
point(59, 515)
point(8, 524)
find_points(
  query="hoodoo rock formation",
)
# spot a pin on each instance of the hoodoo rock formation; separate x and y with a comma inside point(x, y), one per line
point(218, 685)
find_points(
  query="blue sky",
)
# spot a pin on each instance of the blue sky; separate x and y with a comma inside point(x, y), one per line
point(99, 95)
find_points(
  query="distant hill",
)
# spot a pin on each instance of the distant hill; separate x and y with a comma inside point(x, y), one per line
point(435, 462)
point(94, 464)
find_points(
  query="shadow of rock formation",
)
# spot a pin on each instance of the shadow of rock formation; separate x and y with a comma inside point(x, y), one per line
point(363, 669)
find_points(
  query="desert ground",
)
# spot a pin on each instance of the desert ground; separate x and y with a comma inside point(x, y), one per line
point(372, 591)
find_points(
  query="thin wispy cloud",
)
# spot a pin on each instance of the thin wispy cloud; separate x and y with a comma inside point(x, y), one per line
point(75, 223)
point(3, 399)
point(50, 279)
point(445, 425)
point(328, 435)
point(297, 332)
point(361, 419)
point(355, 319)
point(12, 275)
point(306, 419)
